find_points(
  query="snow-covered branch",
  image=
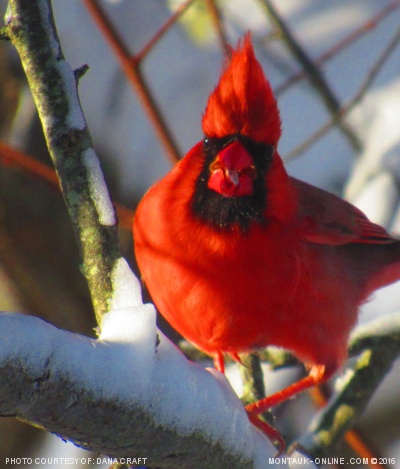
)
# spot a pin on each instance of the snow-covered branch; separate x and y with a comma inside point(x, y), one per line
point(123, 395)
point(378, 343)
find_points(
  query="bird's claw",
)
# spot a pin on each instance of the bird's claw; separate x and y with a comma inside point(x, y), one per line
point(272, 433)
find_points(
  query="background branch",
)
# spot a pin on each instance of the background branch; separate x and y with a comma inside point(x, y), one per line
point(132, 70)
point(342, 44)
point(378, 344)
point(350, 105)
point(313, 72)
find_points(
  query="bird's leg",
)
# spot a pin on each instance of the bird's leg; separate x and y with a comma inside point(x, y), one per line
point(235, 357)
point(219, 362)
point(317, 375)
point(271, 432)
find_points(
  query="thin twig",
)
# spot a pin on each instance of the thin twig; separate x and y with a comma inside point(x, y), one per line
point(160, 33)
point(28, 163)
point(311, 69)
point(354, 35)
point(363, 450)
point(135, 77)
point(216, 19)
point(253, 383)
point(253, 379)
point(365, 85)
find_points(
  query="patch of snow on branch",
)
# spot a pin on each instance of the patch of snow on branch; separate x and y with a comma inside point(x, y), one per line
point(128, 319)
point(98, 188)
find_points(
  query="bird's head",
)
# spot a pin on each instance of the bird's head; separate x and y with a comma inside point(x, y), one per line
point(243, 102)
point(241, 109)
point(242, 127)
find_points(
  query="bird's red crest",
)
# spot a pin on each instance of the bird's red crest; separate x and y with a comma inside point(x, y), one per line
point(243, 101)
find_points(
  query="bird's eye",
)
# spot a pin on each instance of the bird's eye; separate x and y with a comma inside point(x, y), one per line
point(206, 143)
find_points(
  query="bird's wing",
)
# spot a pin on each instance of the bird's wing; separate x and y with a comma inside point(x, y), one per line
point(327, 219)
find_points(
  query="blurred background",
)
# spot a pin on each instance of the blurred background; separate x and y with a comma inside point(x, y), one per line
point(324, 59)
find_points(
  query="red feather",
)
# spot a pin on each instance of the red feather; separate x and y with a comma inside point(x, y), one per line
point(243, 101)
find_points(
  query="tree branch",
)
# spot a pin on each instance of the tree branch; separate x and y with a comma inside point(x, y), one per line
point(350, 105)
point(30, 26)
point(146, 49)
point(379, 344)
point(75, 386)
point(313, 72)
point(133, 72)
point(365, 28)
point(217, 23)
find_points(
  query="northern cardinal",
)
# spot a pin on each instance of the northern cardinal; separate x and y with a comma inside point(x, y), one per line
point(238, 256)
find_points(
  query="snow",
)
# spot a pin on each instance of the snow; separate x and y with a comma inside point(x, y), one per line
point(98, 188)
point(45, 12)
point(8, 15)
point(129, 321)
point(343, 379)
point(75, 117)
point(126, 287)
point(175, 392)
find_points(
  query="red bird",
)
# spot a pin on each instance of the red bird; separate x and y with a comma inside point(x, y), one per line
point(238, 256)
